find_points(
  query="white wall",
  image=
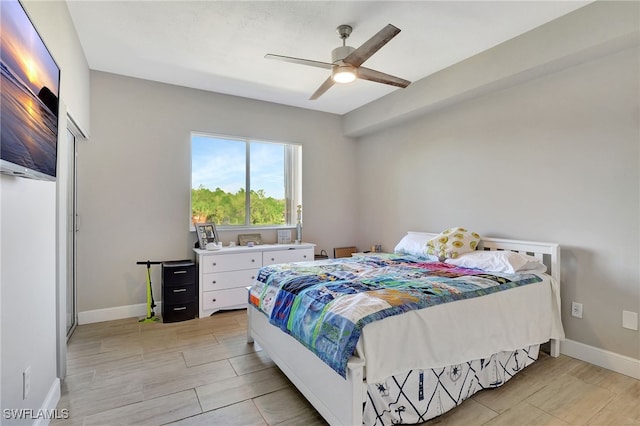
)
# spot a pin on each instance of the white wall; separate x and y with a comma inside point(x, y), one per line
point(28, 228)
point(28, 289)
point(135, 177)
point(553, 159)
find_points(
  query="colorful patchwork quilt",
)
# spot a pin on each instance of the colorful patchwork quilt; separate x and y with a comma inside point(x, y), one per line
point(325, 304)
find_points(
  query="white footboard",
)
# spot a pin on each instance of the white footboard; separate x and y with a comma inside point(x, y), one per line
point(338, 400)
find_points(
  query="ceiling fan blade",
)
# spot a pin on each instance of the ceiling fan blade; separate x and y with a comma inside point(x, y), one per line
point(380, 77)
point(371, 46)
point(323, 88)
point(318, 64)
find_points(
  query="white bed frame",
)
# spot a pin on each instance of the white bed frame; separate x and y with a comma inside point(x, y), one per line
point(338, 400)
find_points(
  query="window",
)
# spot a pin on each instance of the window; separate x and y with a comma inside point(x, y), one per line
point(238, 182)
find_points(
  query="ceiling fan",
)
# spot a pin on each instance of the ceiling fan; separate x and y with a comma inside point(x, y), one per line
point(346, 61)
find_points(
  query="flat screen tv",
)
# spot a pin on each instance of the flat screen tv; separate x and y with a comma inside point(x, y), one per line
point(29, 103)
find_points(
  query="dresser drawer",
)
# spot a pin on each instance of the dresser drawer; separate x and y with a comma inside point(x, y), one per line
point(179, 294)
point(176, 275)
point(179, 312)
point(224, 299)
point(287, 256)
point(232, 279)
point(231, 262)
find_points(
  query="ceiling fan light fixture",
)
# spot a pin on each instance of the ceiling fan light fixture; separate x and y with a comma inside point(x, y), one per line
point(343, 74)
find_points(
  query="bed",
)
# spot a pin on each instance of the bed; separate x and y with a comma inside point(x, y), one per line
point(412, 365)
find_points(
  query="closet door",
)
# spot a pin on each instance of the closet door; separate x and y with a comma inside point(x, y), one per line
point(72, 228)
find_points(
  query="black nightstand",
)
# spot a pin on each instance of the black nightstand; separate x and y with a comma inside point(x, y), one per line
point(179, 292)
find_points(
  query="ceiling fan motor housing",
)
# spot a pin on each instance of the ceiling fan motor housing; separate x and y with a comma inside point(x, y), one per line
point(339, 53)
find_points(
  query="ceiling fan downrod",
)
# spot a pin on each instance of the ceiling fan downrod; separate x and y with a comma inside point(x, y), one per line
point(339, 53)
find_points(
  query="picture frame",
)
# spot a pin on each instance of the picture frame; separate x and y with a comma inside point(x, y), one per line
point(284, 236)
point(207, 233)
point(249, 239)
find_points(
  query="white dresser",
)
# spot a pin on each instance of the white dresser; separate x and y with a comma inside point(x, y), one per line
point(225, 274)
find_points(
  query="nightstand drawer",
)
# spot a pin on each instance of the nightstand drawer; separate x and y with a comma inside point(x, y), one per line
point(178, 274)
point(179, 294)
point(232, 279)
point(179, 312)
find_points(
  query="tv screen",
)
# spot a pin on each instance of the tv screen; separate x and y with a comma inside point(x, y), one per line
point(29, 103)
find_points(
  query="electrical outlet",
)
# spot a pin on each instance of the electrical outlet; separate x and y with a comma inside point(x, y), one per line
point(576, 309)
point(26, 382)
point(630, 320)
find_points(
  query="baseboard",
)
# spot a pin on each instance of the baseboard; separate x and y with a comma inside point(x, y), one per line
point(48, 409)
point(602, 358)
point(119, 312)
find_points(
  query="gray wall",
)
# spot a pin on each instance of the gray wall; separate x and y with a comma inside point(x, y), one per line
point(536, 139)
point(135, 177)
point(553, 159)
point(30, 216)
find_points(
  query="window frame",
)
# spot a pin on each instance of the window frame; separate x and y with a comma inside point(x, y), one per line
point(292, 181)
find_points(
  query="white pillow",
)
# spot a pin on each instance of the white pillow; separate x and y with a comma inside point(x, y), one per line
point(508, 262)
point(414, 243)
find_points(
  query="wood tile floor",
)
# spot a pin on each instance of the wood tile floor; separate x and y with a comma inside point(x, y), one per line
point(202, 372)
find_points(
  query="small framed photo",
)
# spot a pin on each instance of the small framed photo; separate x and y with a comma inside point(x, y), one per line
point(207, 233)
point(284, 236)
point(249, 239)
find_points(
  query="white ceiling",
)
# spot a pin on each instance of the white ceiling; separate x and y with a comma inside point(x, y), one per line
point(219, 46)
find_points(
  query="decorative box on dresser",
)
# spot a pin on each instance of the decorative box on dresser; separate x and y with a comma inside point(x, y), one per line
point(179, 291)
point(224, 274)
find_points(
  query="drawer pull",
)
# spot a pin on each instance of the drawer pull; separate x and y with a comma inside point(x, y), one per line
point(179, 290)
point(253, 260)
point(182, 308)
point(214, 263)
point(179, 272)
point(214, 300)
point(272, 259)
point(253, 278)
point(305, 256)
point(213, 282)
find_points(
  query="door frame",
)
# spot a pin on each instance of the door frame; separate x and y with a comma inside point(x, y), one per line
point(65, 172)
